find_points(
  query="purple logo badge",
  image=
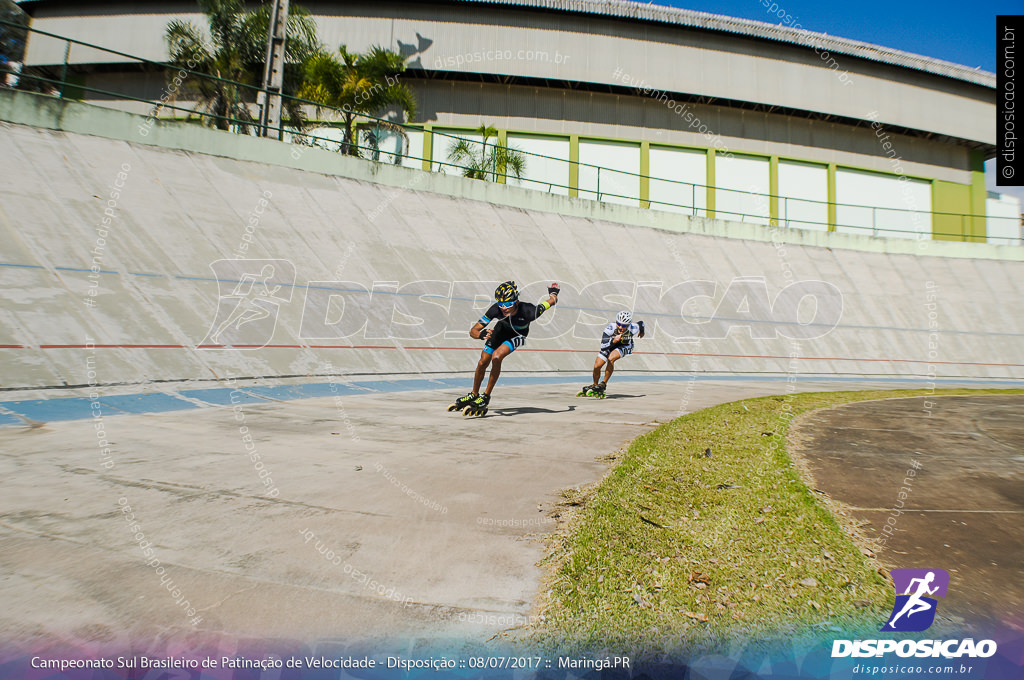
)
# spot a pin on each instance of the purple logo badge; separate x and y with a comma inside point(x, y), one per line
point(914, 609)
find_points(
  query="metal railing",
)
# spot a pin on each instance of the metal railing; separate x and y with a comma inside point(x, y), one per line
point(881, 218)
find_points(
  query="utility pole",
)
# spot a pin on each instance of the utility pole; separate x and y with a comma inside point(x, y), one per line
point(273, 74)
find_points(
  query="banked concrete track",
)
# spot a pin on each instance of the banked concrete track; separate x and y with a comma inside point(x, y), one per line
point(383, 515)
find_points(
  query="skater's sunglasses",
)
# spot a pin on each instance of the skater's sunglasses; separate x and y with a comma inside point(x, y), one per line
point(507, 305)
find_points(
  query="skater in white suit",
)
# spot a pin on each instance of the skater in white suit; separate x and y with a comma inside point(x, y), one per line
point(616, 342)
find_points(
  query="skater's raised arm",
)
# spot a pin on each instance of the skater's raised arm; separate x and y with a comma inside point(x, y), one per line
point(552, 300)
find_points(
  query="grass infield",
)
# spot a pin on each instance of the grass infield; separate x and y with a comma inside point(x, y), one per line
point(704, 533)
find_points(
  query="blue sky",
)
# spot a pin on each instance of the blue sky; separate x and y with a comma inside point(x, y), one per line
point(960, 32)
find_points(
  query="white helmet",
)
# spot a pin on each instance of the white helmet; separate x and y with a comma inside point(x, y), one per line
point(624, 318)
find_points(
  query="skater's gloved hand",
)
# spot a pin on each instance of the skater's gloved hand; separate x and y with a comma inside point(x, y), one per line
point(554, 289)
point(485, 334)
point(641, 325)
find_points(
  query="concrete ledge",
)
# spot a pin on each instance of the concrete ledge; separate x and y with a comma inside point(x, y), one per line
point(48, 112)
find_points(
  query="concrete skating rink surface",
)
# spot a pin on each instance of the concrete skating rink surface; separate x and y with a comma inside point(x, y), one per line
point(959, 510)
point(384, 516)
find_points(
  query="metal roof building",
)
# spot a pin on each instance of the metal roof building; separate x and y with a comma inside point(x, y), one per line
point(646, 105)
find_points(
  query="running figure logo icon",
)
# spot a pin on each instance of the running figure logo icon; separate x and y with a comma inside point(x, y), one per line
point(250, 294)
point(913, 610)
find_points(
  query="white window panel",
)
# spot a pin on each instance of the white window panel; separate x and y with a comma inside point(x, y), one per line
point(413, 151)
point(1003, 225)
point(617, 177)
point(741, 193)
point(443, 144)
point(543, 171)
point(882, 205)
point(803, 195)
point(678, 180)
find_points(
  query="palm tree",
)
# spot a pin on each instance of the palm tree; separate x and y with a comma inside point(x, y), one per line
point(236, 51)
point(486, 160)
point(359, 84)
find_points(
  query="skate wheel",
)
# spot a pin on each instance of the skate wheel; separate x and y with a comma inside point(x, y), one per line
point(453, 407)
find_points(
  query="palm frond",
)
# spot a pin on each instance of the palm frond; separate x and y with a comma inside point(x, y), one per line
point(185, 41)
point(236, 51)
point(358, 84)
point(485, 159)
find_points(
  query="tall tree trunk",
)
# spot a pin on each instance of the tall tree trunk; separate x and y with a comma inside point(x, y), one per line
point(220, 110)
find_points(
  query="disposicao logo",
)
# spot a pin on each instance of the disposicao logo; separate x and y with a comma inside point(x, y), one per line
point(914, 611)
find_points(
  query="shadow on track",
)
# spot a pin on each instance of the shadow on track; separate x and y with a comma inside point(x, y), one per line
point(619, 396)
point(523, 410)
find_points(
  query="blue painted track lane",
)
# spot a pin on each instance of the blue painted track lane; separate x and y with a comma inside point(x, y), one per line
point(79, 408)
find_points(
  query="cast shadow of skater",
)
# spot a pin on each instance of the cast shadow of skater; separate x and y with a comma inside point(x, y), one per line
point(523, 410)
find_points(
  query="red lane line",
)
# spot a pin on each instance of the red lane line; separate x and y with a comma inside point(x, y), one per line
point(525, 349)
point(111, 346)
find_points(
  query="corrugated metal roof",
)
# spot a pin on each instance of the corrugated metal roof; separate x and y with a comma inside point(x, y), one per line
point(639, 11)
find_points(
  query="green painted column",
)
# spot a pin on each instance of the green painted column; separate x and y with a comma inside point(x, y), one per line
point(832, 197)
point(711, 183)
point(428, 146)
point(773, 190)
point(645, 174)
point(950, 202)
point(574, 168)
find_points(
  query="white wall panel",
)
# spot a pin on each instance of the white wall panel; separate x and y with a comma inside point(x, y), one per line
point(803, 195)
point(1003, 225)
point(443, 145)
point(611, 183)
point(678, 165)
point(735, 176)
point(413, 157)
point(902, 209)
point(543, 174)
point(326, 137)
point(392, 146)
